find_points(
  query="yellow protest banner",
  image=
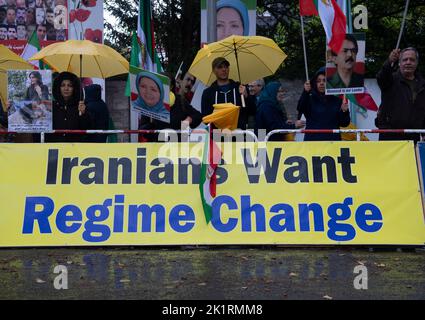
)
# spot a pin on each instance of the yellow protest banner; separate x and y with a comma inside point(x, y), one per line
point(351, 193)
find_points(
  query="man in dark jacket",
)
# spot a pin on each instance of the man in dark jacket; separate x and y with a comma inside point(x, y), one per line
point(403, 95)
point(225, 90)
point(98, 112)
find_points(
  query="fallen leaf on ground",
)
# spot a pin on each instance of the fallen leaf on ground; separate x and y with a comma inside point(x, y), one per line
point(293, 274)
point(327, 297)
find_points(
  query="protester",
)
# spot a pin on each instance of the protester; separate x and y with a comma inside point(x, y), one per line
point(232, 19)
point(37, 90)
point(402, 95)
point(98, 112)
point(69, 111)
point(271, 114)
point(187, 85)
point(322, 111)
point(225, 90)
point(255, 88)
point(345, 61)
point(182, 115)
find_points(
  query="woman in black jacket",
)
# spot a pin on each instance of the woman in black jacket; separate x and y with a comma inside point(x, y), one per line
point(69, 111)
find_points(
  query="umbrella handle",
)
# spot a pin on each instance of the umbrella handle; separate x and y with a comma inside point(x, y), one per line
point(243, 101)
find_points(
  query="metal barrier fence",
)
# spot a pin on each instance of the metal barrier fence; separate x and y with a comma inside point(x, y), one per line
point(250, 133)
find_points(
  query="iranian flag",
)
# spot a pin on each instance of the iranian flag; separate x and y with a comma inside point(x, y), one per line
point(31, 48)
point(333, 20)
point(208, 180)
point(145, 31)
point(134, 60)
point(363, 100)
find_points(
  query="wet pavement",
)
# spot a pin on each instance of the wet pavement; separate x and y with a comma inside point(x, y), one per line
point(206, 273)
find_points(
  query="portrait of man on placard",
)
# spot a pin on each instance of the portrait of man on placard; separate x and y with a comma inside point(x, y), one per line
point(345, 70)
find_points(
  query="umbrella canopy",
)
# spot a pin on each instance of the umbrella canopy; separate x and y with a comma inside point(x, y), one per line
point(250, 58)
point(84, 58)
point(224, 116)
point(9, 61)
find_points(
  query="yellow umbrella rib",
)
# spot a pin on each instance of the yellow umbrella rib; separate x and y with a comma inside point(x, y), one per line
point(100, 69)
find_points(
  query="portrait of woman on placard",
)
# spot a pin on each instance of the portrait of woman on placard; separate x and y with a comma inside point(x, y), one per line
point(232, 19)
point(151, 96)
point(37, 91)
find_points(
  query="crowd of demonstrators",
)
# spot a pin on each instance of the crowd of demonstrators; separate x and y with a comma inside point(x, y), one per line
point(402, 106)
point(271, 113)
point(225, 90)
point(182, 114)
point(322, 111)
point(403, 95)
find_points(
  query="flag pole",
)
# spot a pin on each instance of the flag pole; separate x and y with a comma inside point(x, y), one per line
point(304, 48)
point(403, 23)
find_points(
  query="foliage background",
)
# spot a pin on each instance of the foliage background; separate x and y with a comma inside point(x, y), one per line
point(177, 24)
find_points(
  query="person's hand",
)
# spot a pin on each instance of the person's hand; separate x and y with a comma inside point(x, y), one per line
point(188, 120)
point(307, 86)
point(242, 90)
point(38, 90)
point(299, 124)
point(344, 106)
point(394, 56)
point(81, 108)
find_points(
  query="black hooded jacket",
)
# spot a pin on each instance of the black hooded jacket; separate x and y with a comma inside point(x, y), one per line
point(65, 114)
point(98, 112)
point(213, 95)
point(322, 112)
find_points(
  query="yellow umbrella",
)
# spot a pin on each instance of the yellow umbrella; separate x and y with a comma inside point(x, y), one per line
point(84, 58)
point(9, 61)
point(250, 58)
point(224, 116)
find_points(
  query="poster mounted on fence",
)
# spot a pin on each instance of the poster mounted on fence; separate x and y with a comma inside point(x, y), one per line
point(150, 94)
point(345, 70)
point(318, 193)
point(29, 97)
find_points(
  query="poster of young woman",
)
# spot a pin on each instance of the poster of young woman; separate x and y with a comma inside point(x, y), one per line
point(29, 99)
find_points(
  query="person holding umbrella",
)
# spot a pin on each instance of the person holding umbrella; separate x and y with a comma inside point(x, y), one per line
point(225, 90)
point(69, 111)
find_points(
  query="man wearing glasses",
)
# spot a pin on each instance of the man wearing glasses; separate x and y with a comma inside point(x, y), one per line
point(345, 61)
